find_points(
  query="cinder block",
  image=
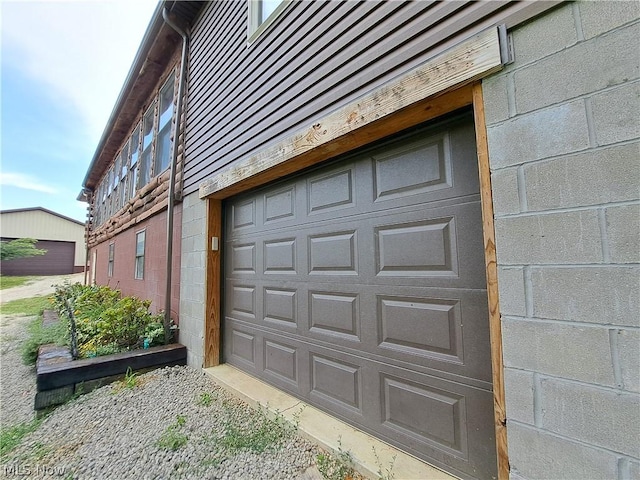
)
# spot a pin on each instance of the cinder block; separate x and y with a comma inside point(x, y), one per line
point(623, 232)
point(601, 17)
point(518, 387)
point(537, 454)
point(504, 185)
point(548, 34)
point(560, 238)
point(605, 295)
point(511, 290)
point(545, 133)
point(629, 358)
point(634, 470)
point(572, 72)
point(590, 178)
point(616, 114)
point(593, 415)
point(496, 98)
point(574, 352)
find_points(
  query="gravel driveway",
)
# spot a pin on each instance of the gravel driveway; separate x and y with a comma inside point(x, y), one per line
point(169, 423)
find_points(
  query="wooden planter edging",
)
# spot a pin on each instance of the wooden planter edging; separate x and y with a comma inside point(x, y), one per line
point(58, 377)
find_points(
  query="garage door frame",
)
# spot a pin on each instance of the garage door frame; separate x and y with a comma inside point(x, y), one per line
point(460, 93)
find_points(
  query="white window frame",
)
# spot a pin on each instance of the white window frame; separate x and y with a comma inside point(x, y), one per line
point(258, 25)
point(165, 128)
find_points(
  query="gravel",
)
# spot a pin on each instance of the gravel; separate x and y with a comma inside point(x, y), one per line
point(117, 432)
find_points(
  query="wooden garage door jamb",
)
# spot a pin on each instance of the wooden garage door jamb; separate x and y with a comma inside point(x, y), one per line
point(495, 326)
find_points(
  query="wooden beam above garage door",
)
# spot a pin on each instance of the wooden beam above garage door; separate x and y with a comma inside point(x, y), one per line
point(418, 96)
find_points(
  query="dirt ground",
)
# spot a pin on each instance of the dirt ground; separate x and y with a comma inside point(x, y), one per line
point(38, 286)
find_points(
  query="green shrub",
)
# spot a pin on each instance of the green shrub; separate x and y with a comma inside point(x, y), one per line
point(106, 323)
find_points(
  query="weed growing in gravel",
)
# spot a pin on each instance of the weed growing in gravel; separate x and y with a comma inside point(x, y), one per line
point(336, 467)
point(258, 435)
point(11, 437)
point(172, 438)
point(206, 399)
point(384, 473)
point(130, 379)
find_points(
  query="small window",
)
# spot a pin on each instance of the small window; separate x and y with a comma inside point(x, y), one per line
point(147, 147)
point(139, 267)
point(133, 163)
point(262, 13)
point(112, 247)
point(165, 115)
point(124, 156)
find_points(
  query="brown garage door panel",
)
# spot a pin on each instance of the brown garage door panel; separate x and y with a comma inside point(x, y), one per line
point(431, 417)
point(360, 287)
point(411, 326)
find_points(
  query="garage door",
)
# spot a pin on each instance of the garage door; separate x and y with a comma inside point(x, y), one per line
point(59, 260)
point(360, 288)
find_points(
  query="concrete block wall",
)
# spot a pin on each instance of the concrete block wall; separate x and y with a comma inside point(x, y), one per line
point(192, 276)
point(563, 124)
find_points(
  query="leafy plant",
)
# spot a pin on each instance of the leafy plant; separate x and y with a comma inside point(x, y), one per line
point(206, 399)
point(172, 438)
point(336, 467)
point(104, 323)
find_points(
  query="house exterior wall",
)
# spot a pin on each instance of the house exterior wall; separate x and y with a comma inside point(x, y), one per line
point(564, 148)
point(42, 225)
point(152, 286)
point(313, 59)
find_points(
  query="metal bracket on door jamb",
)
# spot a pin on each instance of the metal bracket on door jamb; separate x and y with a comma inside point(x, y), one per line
point(506, 45)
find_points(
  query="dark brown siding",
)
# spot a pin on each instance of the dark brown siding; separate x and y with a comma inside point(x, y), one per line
point(59, 260)
point(152, 287)
point(315, 58)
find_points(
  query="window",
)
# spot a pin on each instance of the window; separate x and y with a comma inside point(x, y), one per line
point(124, 159)
point(133, 162)
point(112, 247)
point(147, 148)
point(165, 116)
point(262, 13)
point(139, 267)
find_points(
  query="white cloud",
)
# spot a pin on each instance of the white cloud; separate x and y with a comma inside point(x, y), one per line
point(81, 50)
point(25, 182)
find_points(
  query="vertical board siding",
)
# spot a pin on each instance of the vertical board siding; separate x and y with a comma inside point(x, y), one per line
point(315, 58)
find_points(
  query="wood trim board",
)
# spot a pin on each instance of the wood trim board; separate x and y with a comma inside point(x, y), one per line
point(364, 121)
point(491, 265)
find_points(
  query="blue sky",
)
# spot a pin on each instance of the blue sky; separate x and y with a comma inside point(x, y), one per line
point(63, 64)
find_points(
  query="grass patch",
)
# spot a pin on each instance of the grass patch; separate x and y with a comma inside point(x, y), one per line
point(26, 306)
point(10, 282)
point(259, 434)
point(40, 335)
point(336, 467)
point(11, 437)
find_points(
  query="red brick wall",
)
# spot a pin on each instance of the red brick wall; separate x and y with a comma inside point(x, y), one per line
point(153, 286)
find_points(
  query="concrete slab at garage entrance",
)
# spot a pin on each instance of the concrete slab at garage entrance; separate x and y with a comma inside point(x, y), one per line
point(325, 430)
